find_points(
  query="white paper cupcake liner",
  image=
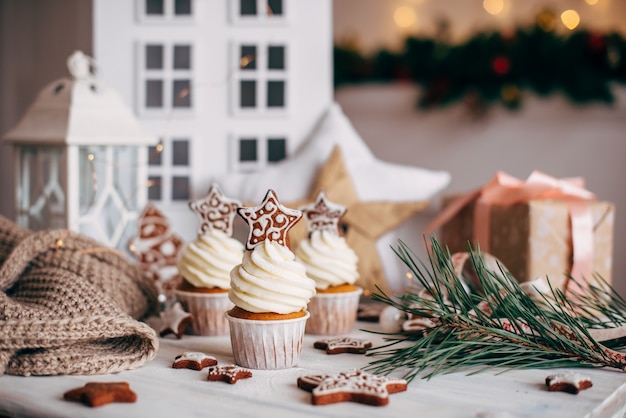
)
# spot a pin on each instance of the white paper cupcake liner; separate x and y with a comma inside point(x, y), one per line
point(333, 313)
point(267, 345)
point(208, 311)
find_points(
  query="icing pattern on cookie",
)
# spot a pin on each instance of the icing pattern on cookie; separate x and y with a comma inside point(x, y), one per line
point(216, 211)
point(229, 374)
point(343, 345)
point(270, 221)
point(323, 215)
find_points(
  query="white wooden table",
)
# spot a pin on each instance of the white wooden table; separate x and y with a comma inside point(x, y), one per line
point(166, 392)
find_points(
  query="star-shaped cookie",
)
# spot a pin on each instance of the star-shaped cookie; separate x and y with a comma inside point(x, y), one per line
point(271, 221)
point(229, 373)
point(354, 386)
point(322, 214)
point(174, 320)
point(343, 345)
point(216, 211)
point(101, 393)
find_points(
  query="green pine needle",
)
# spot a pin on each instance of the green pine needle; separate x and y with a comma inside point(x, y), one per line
point(547, 333)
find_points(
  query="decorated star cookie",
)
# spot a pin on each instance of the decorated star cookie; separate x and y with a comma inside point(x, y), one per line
point(229, 374)
point(97, 393)
point(343, 345)
point(322, 214)
point(353, 386)
point(269, 221)
point(568, 382)
point(193, 360)
point(370, 312)
point(216, 211)
point(174, 320)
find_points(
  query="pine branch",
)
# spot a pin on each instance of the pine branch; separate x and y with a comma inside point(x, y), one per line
point(502, 327)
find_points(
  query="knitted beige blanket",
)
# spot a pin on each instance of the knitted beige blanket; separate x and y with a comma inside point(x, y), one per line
point(70, 306)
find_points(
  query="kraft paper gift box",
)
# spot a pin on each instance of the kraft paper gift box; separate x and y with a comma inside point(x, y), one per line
point(533, 238)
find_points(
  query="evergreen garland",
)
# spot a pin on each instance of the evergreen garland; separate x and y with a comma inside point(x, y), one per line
point(492, 67)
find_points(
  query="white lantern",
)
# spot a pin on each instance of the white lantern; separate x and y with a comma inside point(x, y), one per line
point(80, 159)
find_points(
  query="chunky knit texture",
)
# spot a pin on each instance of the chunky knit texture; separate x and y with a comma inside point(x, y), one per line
point(70, 306)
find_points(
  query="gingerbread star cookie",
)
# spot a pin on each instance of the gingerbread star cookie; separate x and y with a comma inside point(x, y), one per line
point(174, 320)
point(271, 221)
point(216, 211)
point(229, 374)
point(352, 386)
point(323, 215)
point(193, 360)
point(97, 393)
point(343, 345)
point(568, 382)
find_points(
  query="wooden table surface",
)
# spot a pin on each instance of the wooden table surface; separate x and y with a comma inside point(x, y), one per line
point(166, 392)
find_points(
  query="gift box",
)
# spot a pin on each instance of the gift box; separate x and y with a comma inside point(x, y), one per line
point(542, 227)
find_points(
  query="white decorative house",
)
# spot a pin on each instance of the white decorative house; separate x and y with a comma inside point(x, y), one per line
point(79, 158)
point(227, 86)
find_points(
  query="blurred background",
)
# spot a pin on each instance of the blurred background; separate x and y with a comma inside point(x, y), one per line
point(466, 86)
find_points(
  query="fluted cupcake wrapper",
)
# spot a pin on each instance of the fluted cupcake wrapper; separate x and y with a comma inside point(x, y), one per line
point(208, 311)
point(333, 313)
point(267, 345)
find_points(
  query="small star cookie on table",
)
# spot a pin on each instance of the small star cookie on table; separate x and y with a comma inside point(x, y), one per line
point(193, 360)
point(568, 382)
point(230, 373)
point(174, 320)
point(95, 394)
point(352, 386)
point(343, 345)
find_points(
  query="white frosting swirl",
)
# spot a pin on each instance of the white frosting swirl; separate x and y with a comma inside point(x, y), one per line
point(328, 259)
point(207, 260)
point(269, 279)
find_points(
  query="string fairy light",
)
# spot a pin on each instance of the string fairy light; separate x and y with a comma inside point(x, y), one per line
point(570, 19)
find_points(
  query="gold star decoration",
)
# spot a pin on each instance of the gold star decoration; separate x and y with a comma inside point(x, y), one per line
point(271, 220)
point(216, 211)
point(323, 215)
point(364, 222)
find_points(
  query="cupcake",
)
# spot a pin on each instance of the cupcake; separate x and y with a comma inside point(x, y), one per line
point(205, 264)
point(270, 290)
point(332, 264)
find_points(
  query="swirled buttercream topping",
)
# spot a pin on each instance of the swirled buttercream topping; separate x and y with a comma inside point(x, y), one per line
point(328, 259)
point(208, 260)
point(269, 279)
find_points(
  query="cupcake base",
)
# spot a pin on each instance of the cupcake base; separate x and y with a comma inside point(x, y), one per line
point(333, 313)
point(266, 345)
point(207, 310)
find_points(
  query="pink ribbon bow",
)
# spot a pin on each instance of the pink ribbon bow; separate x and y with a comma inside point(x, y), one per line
point(504, 189)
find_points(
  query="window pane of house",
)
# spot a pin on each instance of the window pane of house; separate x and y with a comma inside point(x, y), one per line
point(154, 57)
point(154, 191)
point(154, 93)
point(182, 93)
point(247, 7)
point(182, 57)
point(154, 7)
point(275, 94)
point(247, 149)
point(276, 58)
point(248, 93)
point(247, 60)
point(276, 149)
point(180, 188)
point(154, 156)
point(275, 7)
point(182, 7)
point(180, 152)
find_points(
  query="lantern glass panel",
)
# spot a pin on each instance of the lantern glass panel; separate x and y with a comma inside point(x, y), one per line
point(40, 190)
point(108, 187)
